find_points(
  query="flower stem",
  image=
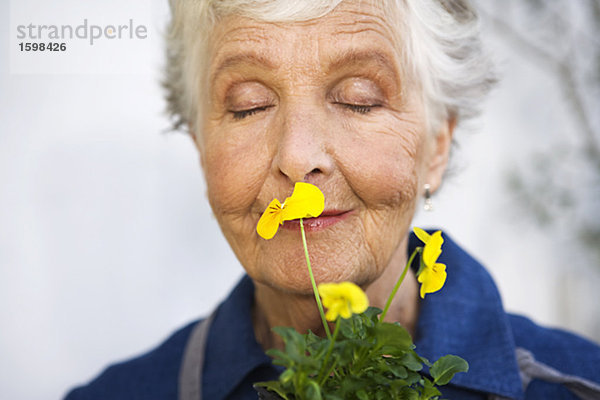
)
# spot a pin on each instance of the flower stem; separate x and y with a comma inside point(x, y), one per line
point(395, 290)
point(325, 373)
point(314, 284)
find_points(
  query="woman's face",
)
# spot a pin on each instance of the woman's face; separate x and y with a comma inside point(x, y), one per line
point(325, 102)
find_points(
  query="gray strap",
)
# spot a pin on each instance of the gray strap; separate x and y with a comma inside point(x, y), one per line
point(531, 369)
point(190, 375)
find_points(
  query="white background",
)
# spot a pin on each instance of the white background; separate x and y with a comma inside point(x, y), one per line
point(107, 243)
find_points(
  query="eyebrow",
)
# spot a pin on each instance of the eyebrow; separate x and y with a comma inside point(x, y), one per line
point(251, 58)
point(352, 56)
point(338, 61)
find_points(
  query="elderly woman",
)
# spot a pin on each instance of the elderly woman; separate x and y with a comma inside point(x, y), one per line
point(359, 98)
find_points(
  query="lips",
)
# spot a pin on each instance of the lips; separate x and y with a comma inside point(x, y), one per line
point(324, 221)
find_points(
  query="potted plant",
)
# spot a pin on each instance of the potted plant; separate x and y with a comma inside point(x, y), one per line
point(364, 357)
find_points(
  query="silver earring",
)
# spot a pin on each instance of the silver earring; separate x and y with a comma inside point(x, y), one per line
point(428, 205)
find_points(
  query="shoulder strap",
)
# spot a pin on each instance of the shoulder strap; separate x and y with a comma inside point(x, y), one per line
point(190, 375)
point(531, 369)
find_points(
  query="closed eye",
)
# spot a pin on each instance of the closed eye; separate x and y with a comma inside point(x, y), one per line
point(359, 108)
point(238, 115)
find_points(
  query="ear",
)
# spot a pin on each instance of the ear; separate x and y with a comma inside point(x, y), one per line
point(439, 153)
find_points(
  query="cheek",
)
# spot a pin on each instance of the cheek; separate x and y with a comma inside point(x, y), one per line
point(383, 170)
point(382, 167)
point(235, 167)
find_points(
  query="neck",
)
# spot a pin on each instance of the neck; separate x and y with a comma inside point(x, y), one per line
point(405, 305)
point(273, 307)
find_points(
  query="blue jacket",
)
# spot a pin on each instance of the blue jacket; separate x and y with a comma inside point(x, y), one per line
point(465, 318)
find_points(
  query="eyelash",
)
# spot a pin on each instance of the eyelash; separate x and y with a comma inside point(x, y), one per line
point(360, 109)
point(238, 115)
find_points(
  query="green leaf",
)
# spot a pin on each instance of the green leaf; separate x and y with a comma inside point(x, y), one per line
point(280, 358)
point(372, 315)
point(349, 385)
point(402, 390)
point(429, 390)
point(347, 327)
point(399, 371)
point(316, 345)
point(286, 376)
point(412, 361)
point(272, 386)
point(406, 393)
point(412, 378)
point(424, 360)
point(392, 339)
point(313, 391)
point(311, 338)
point(443, 370)
point(294, 342)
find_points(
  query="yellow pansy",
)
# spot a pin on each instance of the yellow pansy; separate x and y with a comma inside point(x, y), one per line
point(306, 201)
point(433, 274)
point(342, 299)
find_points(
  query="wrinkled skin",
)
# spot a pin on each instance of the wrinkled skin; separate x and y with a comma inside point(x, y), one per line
point(326, 102)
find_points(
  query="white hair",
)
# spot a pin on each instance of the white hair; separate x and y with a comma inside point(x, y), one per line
point(439, 39)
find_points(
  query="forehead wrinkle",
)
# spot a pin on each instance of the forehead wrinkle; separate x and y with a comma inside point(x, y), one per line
point(366, 17)
point(346, 29)
point(379, 28)
point(230, 37)
point(373, 17)
point(364, 21)
point(234, 27)
point(370, 25)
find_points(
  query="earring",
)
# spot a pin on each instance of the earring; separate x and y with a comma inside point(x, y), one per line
point(428, 205)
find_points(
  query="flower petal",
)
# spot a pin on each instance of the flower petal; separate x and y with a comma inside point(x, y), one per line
point(345, 310)
point(436, 239)
point(306, 201)
point(432, 279)
point(331, 314)
point(421, 234)
point(270, 220)
point(328, 293)
point(358, 299)
point(342, 299)
point(433, 248)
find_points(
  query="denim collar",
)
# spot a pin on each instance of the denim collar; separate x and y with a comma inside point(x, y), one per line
point(465, 318)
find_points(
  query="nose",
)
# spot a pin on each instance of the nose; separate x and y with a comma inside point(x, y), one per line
point(303, 149)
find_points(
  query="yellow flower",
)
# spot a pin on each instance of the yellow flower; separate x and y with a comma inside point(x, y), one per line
point(342, 299)
point(433, 274)
point(306, 201)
